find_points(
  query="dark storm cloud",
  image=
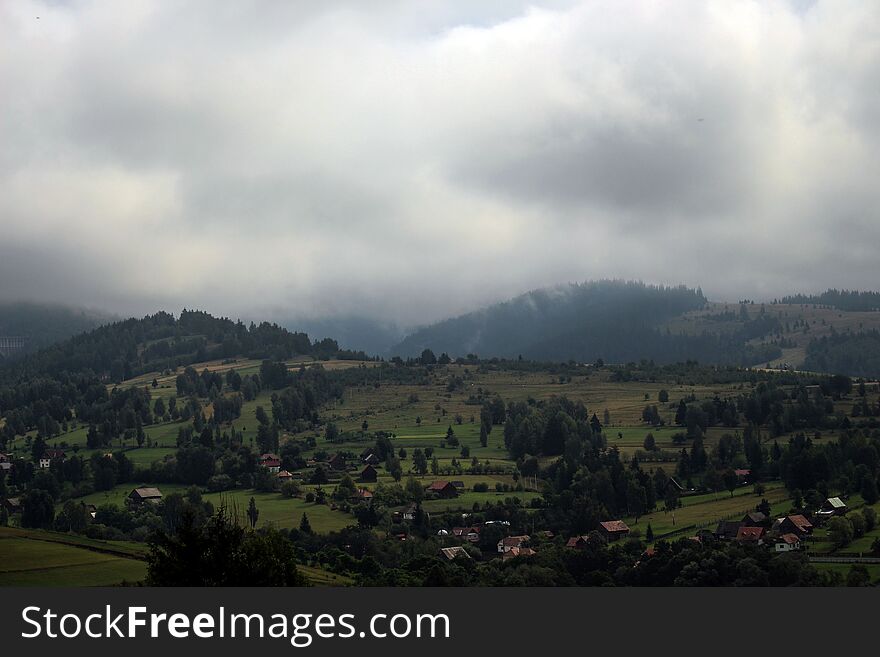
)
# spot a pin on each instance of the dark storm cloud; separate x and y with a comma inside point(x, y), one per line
point(406, 161)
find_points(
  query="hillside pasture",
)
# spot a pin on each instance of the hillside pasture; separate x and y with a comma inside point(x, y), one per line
point(29, 561)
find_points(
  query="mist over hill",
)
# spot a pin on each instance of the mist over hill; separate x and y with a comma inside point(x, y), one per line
point(43, 324)
point(613, 320)
point(625, 321)
point(355, 333)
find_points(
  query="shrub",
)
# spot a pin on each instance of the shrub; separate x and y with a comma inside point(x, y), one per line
point(290, 489)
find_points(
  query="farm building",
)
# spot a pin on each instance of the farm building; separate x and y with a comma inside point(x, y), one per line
point(368, 474)
point(145, 494)
point(833, 506)
point(507, 543)
point(755, 519)
point(453, 553)
point(674, 484)
point(336, 462)
point(12, 505)
point(372, 459)
point(613, 529)
point(727, 530)
point(443, 489)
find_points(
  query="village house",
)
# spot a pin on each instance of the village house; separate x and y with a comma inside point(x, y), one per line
point(363, 495)
point(271, 462)
point(515, 552)
point(452, 553)
point(145, 494)
point(51, 455)
point(578, 542)
point(470, 534)
point(507, 543)
point(796, 524)
point(613, 530)
point(410, 512)
point(742, 476)
point(787, 543)
point(284, 475)
point(5, 462)
point(750, 535)
point(12, 505)
point(336, 462)
point(459, 485)
point(372, 459)
point(368, 474)
point(443, 489)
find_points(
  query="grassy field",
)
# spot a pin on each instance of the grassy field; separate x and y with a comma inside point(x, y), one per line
point(819, 320)
point(418, 416)
point(844, 568)
point(274, 509)
point(319, 577)
point(707, 511)
point(31, 558)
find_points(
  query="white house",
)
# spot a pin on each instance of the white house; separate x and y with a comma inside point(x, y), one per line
point(787, 543)
point(508, 543)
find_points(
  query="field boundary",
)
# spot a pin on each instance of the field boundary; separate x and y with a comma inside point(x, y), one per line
point(15, 532)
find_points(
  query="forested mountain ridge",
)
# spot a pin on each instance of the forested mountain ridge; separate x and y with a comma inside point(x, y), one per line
point(130, 347)
point(613, 320)
point(629, 321)
point(850, 300)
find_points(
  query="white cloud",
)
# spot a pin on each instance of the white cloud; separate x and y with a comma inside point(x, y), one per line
point(408, 163)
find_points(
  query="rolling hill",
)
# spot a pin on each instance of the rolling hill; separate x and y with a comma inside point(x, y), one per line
point(620, 321)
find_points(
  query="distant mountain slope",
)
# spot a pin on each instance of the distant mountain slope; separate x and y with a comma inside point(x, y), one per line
point(614, 320)
point(41, 325)
point(131, 347)
point(357, 333)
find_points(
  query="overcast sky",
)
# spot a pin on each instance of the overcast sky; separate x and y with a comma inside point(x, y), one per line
point(418, 159)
